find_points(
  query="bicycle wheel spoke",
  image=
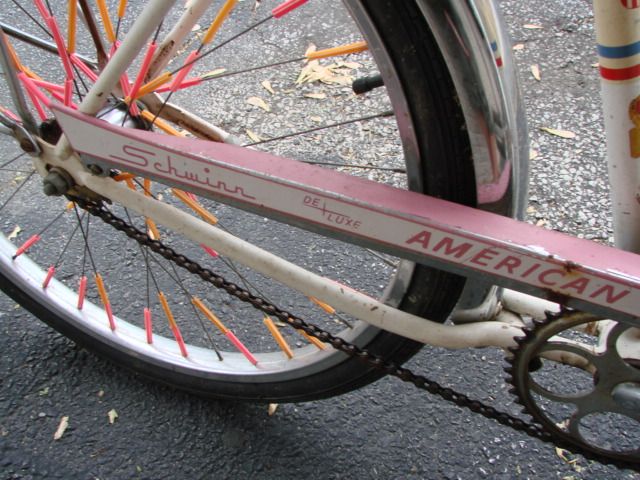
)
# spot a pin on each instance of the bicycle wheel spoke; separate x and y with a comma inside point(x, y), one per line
point(17, 157)
point(33, 19)
point(225, 331)
point(101, 53)
point(277, 336)
point(324, 127)
point(17, 190)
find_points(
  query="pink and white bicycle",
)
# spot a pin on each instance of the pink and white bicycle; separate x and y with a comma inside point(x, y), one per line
point(183, 184)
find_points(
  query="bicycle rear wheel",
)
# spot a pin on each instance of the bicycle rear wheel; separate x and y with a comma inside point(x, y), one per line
point(426, 146)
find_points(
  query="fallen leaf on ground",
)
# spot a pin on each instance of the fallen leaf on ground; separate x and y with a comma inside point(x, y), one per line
point(531, 26)
point(561, 453)
point(317, 95)
point(334, 74)
point(266, 84)
point(316, 119)
point(535, 71)
point(519, 46)
point(533, 154)
point(258, 102)
point(112, 416)
point(14, 233)
point(559, 133)
point(64, 423)
point(272, 409)
point(254, 136)
point(213, 73)
point(350, 65)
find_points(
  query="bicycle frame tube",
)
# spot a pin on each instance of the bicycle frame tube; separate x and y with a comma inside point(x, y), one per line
point(618, 39)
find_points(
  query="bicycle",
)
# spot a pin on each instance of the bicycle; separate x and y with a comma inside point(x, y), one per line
point(458, 135)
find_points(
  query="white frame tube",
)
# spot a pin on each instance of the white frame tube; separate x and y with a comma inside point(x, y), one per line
point(351, 302)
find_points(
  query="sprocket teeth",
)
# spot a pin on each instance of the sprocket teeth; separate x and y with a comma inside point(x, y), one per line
point(520, 340)
point(513, 391)
point(508, 370)
point(513, 351)
point(538, 322)
point(550, 315)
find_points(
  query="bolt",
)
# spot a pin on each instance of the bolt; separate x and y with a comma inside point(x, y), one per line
point(27, 145)
point(57, 182)
point(95, 169)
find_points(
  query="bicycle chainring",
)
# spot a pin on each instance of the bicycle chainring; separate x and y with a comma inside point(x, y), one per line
point(577, 385)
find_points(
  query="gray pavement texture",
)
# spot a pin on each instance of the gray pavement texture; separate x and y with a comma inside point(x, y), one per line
point(386, 430)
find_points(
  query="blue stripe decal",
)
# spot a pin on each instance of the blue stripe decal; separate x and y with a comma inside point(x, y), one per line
point(619, 52)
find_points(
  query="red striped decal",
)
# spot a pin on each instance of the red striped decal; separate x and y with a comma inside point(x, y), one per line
point(630, 3)
point(620, 73)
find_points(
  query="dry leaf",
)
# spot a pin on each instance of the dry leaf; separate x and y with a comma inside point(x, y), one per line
point(272, 409)
point(266, 84)
point(101, 393)
point(195, 28)
point(334, 74)
point(541, 223)
point(64, 423)
point(254, 136)
point(258, 102)
point(316, 119)
point(310, 49)
point(535, 71)
point(213, 73)
point(112, 414)
point(563, 455)
point(350, 65)
point(519, 46)
point(531, 210)
point(533, 154)
point(559, 133)
point(530, 26)
point(317, 95)
point(14, 233)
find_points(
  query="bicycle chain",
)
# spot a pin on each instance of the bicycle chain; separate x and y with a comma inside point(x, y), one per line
point(389, 368)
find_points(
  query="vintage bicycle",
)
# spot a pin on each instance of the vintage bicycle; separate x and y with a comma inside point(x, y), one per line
point(364, 187)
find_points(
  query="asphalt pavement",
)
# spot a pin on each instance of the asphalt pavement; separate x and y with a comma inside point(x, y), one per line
point(387, 430)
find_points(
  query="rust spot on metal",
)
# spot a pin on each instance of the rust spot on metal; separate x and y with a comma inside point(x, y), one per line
point(570, 266)
point(591, 329)
point(165, 51)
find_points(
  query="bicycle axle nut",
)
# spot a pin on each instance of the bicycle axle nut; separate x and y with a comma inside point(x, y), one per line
point(57, 182)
